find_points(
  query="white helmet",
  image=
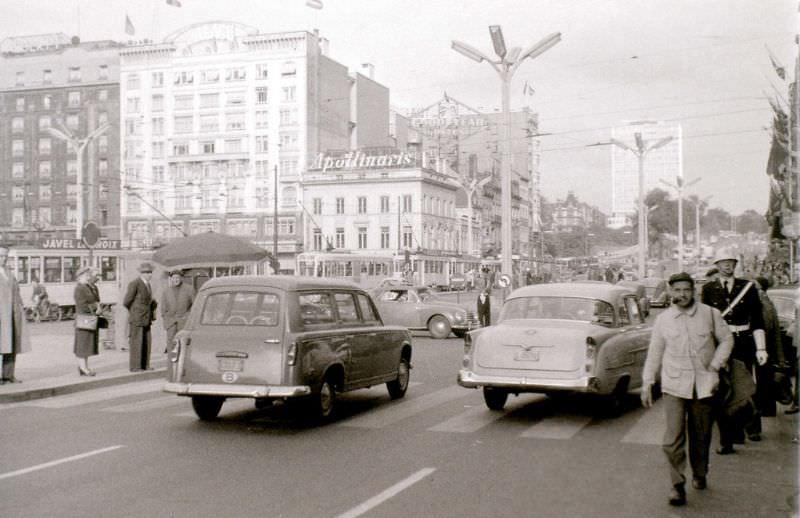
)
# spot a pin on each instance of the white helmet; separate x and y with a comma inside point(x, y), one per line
point(724, 255)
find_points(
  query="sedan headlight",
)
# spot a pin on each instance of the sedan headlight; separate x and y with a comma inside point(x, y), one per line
point(460, 316)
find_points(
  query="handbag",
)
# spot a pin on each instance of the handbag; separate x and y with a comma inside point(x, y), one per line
point(86, 322)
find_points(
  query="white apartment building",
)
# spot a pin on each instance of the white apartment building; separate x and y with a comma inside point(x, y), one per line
point(218, 122)
point(664, 163)
point(379, 203)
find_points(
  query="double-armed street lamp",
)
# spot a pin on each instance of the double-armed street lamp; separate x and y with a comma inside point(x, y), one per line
point(679, 186)
point(641, 150)
point(78, 145)
point(506, 66)
point(470, 188)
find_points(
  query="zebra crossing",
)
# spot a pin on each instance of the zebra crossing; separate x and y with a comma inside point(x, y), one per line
point(637, 426)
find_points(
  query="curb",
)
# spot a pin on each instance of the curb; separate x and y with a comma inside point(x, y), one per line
point(80, 386)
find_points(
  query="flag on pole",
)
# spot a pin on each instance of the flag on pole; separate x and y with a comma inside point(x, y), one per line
point(174, 3)
point(314, 4)
point(781, 71)
point(129, 28)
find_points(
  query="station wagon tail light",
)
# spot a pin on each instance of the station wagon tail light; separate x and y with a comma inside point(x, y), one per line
point(591, 353)
point(291, 354)
point(177, 346)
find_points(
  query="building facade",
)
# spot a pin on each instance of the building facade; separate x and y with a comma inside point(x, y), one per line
point(379, 202)
point(664, 163)
point(51, 81)
point(468, 141)
point(219, 121)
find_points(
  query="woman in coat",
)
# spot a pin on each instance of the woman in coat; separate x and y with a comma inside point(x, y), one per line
point(87, 302)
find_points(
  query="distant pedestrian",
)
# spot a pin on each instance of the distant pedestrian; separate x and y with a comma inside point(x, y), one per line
point(13, 333)
point(141, 314)
point(485, 307)
point(176, 302)
point(87, 304)
point(690, 342)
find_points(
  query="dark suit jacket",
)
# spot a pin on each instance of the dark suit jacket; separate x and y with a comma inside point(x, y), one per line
point(746, 311)
point(139, 303)
point(175, 305)
point(485, 310)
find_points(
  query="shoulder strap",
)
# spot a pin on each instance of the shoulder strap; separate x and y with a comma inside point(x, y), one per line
point(738, 298)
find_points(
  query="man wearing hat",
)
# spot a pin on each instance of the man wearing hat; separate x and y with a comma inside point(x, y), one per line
point(688, 345)
point(141, 313)
point(176, 302)
point(737, 300)
point(13, 333)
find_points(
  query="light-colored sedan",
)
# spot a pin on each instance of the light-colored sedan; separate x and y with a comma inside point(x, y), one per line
point(418, 307)
point(560, 338)
point(657, 292)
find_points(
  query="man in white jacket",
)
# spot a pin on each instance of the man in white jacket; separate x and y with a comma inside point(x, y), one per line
point(689, 344)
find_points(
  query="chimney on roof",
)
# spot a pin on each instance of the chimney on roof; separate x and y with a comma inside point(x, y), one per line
point(370, 69)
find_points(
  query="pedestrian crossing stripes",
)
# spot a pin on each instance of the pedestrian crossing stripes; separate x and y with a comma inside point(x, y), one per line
point(557, 427)
point(405, 408)
point(148, 404)
point(649, 428)
point(469, 421)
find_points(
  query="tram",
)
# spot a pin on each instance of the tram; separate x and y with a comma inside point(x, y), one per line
point(55, 262)
point(370, 269)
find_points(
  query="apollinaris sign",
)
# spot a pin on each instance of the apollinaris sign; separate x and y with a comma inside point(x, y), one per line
point(361, 160)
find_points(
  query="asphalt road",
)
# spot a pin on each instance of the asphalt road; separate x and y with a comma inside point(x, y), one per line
point(133, 451)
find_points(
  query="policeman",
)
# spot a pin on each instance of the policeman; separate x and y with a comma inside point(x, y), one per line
point(745, 320)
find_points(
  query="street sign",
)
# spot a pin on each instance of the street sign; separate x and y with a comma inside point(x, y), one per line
point(90, 233)
point(504, 281)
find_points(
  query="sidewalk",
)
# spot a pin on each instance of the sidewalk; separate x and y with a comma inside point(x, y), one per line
point(51, 369)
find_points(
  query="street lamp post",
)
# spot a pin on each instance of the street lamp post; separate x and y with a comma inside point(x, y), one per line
point(505, 67)
point(698, 204)
point(647, 229)
point(469, 189)
point(78, 145)
point(642, 149)
point(678, 186)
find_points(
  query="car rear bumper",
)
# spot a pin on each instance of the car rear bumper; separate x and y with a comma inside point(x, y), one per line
point(251, 391)
point(469, 379)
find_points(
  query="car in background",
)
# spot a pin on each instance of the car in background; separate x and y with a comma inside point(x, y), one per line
point(281, 337)
point(557, 339)
point(657, 292)
point(641, 294)
point(418, 307)
point(457, 283)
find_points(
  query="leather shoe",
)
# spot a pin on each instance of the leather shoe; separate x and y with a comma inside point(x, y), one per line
point(792, 410)
point(725, 450)
point(677, 496)
point(755, 437)
point(699, 482)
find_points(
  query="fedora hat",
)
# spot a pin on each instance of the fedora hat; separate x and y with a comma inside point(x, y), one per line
point(145, 268)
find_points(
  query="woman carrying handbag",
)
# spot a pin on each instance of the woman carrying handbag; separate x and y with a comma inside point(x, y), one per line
point(87, 309)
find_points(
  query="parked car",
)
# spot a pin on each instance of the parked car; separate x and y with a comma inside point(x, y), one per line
point(641, 294)
point(560, 338)
point(657, 292)
point(418, 307)
point(280, 337)
point(458, 283)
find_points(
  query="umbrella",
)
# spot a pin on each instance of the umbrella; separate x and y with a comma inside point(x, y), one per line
point(208, 249)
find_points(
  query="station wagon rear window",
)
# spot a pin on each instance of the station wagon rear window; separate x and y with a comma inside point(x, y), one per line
point(241, 308)
point(562, 308)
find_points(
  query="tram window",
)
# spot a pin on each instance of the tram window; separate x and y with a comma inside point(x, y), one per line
point(71, 267)
point(221, 271)
point(108, 268)
point(52, 269)
point(237, 270)
point(22, 270)
point(35, 269)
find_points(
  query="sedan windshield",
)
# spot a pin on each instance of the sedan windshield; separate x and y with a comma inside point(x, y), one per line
point(562, 308)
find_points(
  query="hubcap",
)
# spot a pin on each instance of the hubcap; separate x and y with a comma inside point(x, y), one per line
point(402, 375)
point(325, 398)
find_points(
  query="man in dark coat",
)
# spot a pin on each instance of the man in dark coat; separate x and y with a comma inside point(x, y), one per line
point(13, 332)
point(485, 308)
point(176, 302)
point(141, 313)
point(745, 320)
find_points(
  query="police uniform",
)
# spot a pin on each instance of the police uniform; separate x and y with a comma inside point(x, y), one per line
point(743, 319)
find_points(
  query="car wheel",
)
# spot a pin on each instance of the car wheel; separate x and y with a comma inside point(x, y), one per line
point(615, 402)
point(397, 387)
point(439, 326)
point(323, 402)
point(495, 398)
point(207, 407)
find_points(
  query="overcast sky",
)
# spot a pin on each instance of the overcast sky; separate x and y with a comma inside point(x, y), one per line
point(702, 63)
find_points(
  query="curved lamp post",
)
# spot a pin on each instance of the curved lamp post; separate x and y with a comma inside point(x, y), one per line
point(505, 67)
